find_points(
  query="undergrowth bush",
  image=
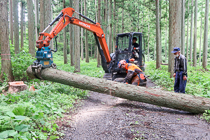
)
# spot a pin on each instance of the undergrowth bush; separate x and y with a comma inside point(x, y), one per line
point(20, 63)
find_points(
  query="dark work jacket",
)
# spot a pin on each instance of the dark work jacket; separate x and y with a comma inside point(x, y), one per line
point(180, 64)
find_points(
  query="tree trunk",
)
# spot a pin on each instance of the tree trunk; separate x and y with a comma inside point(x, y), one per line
point(82, 45)
point(91, 49)
point(36, 20)
point(31, 28)
point(154, 52)
point(191, 33)
point(71, 36)
point(183, 28)
point(16, 27)
point(22, 22)
point(166, 35)
point(96, 19)
point(187, 47)
point(205, 41)
point(195, 35)
point(158, 47)
point(114, 25)
point(179, 101)
point(122, 20)
point(64, 42)
point(174, 31)
point(76, 40)
point(110, 26)
point(6, 66)
point(11, 21)
point(200, 38)
point(86, 36)
point(105, 19)
point(42, 15)
point(99, 21)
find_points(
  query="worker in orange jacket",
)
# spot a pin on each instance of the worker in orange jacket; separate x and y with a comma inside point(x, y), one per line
point(134, 75)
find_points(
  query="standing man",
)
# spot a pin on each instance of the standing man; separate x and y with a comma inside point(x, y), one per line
point(180, 71)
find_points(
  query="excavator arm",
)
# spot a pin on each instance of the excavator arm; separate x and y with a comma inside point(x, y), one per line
point(65, 18)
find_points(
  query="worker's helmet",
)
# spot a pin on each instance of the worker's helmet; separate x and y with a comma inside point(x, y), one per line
point(122, 62)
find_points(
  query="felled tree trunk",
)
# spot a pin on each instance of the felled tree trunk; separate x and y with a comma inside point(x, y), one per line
point(135, 93)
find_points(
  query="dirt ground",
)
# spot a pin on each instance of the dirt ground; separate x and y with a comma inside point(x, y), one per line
point(104, 117)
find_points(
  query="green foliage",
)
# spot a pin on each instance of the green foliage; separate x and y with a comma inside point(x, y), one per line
point(20, 63)
point(32, 115)
point(159, 76)
point(206, 115)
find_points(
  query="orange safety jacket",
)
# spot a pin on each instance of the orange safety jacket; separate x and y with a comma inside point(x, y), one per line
point(132, 70)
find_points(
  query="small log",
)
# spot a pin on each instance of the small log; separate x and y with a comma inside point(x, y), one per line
point(16, 86)
point(158, 97)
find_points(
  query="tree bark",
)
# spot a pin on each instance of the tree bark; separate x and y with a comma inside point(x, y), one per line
point(122, 20)
point(11, 21)
point(191, 33)
point(16, 27)
point(99, 21)
point(76, 40)
point(71, 36)
point(166, 35)
point(36, 19)
point(158, 47)
point(22, 22)
point(64, 42)
point(114, 25)
point(82, 45)
point(205, 41)
point(31, 28)
point(183, 28)
point(174, 31)
point(96, 19)
point(148, 44)
point(42, 15)
point(179, 101)
point(6, 66)
point(86, 36)
point(110, 26)
point(200, 38)
point(187, 47)
point(195, 35)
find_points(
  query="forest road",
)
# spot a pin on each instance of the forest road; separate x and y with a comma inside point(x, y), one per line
point(104, 117)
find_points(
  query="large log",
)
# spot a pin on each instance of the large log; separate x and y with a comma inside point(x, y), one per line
point(158, 97)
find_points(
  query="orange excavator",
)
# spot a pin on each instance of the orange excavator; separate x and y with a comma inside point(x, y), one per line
point(124, 48)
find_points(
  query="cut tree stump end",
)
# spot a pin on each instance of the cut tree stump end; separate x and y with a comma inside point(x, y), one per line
point(16, 86)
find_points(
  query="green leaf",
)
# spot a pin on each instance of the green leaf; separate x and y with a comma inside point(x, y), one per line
point(22, 128)
point(20, 118)
point(4, 134)
point(11, 114)
point(12, 133)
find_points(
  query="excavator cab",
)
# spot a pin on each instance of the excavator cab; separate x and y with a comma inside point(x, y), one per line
point(128, 50)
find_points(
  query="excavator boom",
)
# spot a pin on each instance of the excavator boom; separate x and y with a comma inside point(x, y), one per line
point(65, 18)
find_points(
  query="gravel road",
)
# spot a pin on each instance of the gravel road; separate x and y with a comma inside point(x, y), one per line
point(104, 117)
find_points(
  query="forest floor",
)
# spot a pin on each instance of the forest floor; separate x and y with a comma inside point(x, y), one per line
point(104, 117)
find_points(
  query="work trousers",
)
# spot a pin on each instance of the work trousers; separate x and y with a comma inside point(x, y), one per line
point(180, 84)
